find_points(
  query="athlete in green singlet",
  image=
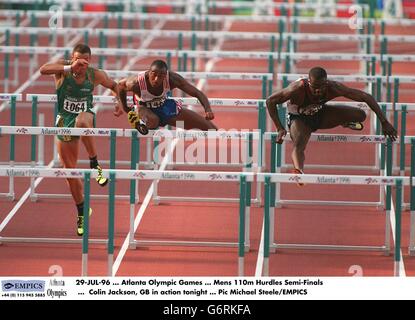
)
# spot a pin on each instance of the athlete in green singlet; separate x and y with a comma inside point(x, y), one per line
point(75, 82)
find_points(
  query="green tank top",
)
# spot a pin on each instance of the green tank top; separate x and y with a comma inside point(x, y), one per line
point(75, 98)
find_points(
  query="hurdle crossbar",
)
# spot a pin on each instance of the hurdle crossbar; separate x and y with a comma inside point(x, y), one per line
point(230, 35)
point(242, 177)
point(202, 54)
point(146, 16)
point(227, 102)
point(345, 21)
point(247, 137)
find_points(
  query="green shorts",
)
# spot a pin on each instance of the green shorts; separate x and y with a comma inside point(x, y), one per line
point(67, 120)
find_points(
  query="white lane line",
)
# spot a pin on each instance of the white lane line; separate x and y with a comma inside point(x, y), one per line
point(20, 202)
point(141, 211)
point(402, 272)
point(260, 260)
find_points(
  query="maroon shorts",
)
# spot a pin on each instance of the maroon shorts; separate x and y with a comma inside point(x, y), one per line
point(312, 121)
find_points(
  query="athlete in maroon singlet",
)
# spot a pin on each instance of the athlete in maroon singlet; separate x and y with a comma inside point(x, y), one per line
point(309, 112)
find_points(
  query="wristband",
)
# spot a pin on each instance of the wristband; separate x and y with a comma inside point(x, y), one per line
point(67, 68)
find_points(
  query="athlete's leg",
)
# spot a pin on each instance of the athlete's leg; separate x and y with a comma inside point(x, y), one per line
point(300, 134)
point(333, 116)
point(151, 120)
point(68, 153)
point(86, 120)
point(192, 120)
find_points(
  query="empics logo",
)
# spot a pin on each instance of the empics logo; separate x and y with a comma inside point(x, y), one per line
point(23, 286)
point(8, 286)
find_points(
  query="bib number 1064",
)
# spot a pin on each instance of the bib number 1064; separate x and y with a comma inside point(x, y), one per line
point(74, 107)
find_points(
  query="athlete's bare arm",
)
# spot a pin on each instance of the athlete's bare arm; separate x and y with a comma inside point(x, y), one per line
point(177, 81)
point(277, 98)
point(57, 68)
point(361, 96)
point(101, 78)
point(125, 85)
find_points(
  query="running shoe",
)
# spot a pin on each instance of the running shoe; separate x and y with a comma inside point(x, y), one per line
point(80, 224)
point(358, 126)
point(137, 123)
point(102, 181)
point(298, 171)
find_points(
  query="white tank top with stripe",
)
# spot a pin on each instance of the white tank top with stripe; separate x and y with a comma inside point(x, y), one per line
point(148, 99)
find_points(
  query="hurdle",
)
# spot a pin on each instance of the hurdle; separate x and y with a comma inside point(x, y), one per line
point(201, 16)
point(167, 54)
point(242, 178)
point(185, 54)
point(247, 163)
point(79, 3)
point(241, 104)
point(379, 155)
point(131, 17)
point(265, 78)
point(12, 99)
point(276, 166)
point(106, 16)
point(296, 20)
point(37, 119)
point(103, 34)
point(290, 38)
point(411, 249)
point(39, 131)
point(269, 212)
point(206, 6)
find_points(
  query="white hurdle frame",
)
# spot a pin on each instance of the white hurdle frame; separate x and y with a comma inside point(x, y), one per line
point(12, 163)
point(269, 214)
point(242, 177)
point(249, 165)
point(239, 103)
point(210, 54)
point(345, 138)
point(52, 131)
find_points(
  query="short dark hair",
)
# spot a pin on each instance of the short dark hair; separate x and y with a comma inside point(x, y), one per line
point(317, 73)
point(159, 64)
point(82, 48)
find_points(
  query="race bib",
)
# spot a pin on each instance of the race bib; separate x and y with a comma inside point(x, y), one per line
point(155, 103)
point(75, 106)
